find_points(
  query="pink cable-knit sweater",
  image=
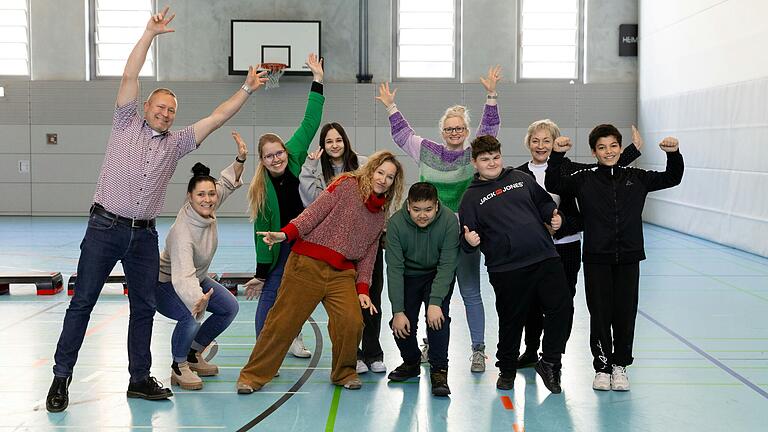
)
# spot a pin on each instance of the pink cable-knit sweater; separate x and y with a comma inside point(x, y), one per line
point(341, 230)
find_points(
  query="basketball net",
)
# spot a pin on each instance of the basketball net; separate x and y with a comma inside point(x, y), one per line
point(274, 72)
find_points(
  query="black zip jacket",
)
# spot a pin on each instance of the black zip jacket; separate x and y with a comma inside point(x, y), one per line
point(575, 223)
point(611, 200)
point(509, 214)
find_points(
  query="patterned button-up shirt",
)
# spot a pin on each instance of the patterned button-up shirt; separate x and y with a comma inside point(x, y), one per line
point(139, 164)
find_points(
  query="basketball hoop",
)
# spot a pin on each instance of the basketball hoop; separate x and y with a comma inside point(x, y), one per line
point(274, 72)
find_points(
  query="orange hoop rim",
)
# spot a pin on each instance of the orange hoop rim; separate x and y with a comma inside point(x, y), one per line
point(274, 66)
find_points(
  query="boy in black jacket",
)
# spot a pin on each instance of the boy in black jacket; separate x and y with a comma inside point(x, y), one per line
point(541, 137)
point(611, 199)
point(507, 214)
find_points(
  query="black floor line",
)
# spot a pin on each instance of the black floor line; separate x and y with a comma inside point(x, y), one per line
point(296, 386)
point(706, 355)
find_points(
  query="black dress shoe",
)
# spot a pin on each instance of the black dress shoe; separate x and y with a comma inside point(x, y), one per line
point(550, 374)
point(149, 389)
point(58, 395)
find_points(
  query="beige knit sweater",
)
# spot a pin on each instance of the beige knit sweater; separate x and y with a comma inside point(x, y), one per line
point(191, 244)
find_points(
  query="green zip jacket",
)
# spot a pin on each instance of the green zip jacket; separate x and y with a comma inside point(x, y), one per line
point(414, 251)
point(269, 218)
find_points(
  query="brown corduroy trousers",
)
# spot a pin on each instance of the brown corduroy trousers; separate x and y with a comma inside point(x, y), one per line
point(307, 282)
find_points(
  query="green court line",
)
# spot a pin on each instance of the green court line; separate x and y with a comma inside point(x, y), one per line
point(334, 409)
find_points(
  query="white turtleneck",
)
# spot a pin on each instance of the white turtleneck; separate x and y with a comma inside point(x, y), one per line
point(539, 171)
point(191, 244)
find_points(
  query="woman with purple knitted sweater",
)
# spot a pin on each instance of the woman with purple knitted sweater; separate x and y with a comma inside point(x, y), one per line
point(448, 167)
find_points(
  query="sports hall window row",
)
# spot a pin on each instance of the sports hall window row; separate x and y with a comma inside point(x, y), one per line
point(427, 38)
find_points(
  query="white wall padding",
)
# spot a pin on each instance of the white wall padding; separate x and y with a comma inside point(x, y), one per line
point(704, 80)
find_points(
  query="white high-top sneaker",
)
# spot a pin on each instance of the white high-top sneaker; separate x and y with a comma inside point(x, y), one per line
point(298, 349)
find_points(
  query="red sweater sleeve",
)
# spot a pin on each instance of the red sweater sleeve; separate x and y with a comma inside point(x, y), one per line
point(364, 268)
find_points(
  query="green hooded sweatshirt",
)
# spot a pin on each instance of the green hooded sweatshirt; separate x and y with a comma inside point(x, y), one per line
point(415, 251)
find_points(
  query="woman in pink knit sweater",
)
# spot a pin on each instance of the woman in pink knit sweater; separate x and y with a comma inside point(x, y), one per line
point(327, 264)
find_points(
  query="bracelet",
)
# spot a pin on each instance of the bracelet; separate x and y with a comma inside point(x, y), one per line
point(391, 109)
point(238, 160)
point(246, 89)
point(493, 96)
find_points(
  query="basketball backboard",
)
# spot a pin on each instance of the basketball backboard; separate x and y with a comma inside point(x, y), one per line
point(261, 41)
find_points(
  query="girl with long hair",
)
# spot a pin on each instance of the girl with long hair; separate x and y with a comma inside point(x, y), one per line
point(328, 265)
point(333, 157)
point(273, 200)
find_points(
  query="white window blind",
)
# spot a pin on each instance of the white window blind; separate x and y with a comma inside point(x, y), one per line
point(549, 40)
point(14, 37)
point(426, 39)
point(118, 26)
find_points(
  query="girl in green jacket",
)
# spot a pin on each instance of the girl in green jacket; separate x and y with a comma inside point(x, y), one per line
point(273, 200)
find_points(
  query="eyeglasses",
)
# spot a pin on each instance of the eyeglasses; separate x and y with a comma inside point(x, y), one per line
point(457, 129)
point(270, 157)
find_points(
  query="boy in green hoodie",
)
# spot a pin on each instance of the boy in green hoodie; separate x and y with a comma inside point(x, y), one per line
point(421, 254)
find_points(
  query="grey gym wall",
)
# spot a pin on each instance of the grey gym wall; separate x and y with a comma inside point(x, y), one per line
point(704, 79)
point(192, 61)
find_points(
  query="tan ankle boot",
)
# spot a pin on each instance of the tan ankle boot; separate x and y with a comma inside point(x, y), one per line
point(202, 367)
point(187, 379)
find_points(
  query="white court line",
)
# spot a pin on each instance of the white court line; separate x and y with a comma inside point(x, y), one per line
point(92, 376)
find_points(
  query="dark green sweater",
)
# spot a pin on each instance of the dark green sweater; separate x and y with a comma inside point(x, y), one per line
point(414, 251)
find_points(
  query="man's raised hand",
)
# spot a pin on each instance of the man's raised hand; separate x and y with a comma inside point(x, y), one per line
point(158, 23)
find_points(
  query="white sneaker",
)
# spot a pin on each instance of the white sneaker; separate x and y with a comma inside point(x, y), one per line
point(619, 379)
point(425, 351)
point(361, 367)
point(298, 349)
point(602, 381)
point(377, 367)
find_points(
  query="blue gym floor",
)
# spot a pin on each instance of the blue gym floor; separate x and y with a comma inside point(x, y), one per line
point(701, 355)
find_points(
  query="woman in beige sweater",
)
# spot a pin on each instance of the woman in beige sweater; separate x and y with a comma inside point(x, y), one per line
point(185, 291)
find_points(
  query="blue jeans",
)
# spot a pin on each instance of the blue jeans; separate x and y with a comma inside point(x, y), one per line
point(106, 242)
point(188, 332)
point(271, 284)
point(468, 276)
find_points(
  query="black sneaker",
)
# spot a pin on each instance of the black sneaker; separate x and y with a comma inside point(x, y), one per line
point(439, 378)
point(149, 389)
point(528, 359)
point(506, 380)
point(405, 371)
point(550, 374)
point(58, 395)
